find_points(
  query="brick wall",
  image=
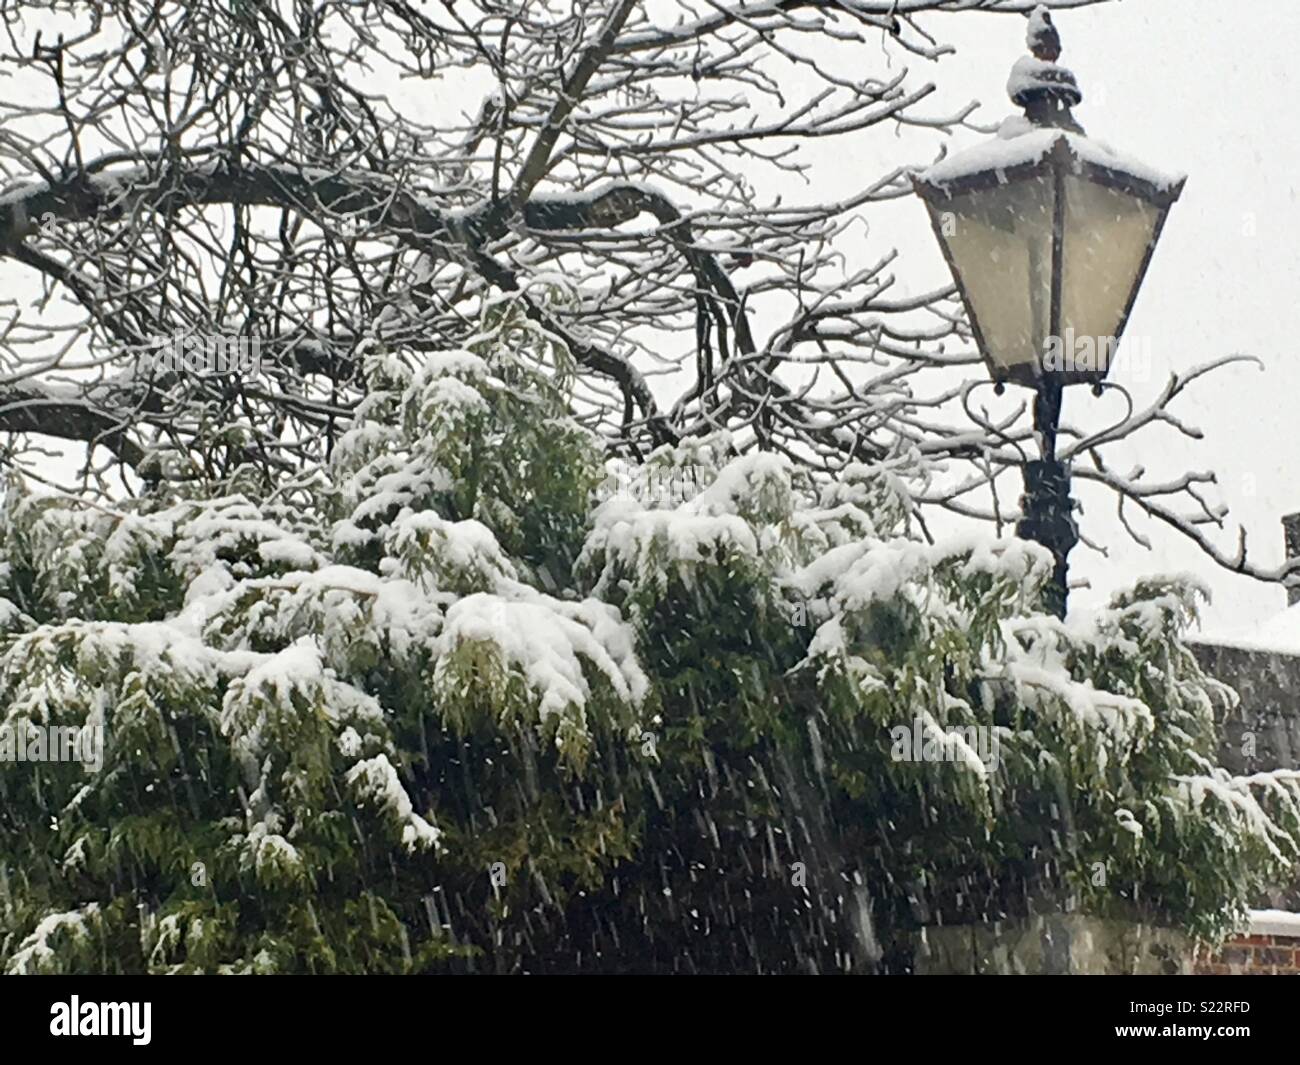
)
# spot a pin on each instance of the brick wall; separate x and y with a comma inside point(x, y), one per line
point(1254, 955)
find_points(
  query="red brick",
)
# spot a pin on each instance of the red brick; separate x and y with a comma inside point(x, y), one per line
point(1274, 956)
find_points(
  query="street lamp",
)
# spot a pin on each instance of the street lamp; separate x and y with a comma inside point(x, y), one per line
point(1048, 235)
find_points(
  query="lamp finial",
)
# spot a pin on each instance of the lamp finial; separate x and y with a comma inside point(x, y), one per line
point(1038, 83)
point(1041, 36)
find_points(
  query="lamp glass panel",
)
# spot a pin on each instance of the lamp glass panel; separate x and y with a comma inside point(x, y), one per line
point(1107, 234)
point(1000, 241)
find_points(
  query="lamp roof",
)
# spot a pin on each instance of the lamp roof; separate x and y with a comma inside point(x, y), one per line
point(1021, 146)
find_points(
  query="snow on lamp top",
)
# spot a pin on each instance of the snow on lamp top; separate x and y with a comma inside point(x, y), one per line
point(1046, 91)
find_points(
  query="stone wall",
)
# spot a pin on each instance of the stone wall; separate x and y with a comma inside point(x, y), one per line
point(1263, 733)
point(1055, 944)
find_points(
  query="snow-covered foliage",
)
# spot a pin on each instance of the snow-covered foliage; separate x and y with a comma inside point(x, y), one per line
point(451, 702)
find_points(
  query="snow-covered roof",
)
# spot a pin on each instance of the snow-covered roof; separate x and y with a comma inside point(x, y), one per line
point(1280, 634)
point(1019, 142)
point(1274, 923)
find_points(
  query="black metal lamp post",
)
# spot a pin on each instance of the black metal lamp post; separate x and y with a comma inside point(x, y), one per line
point(1048, 235)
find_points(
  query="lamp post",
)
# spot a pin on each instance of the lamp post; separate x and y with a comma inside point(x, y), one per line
point(1048, 235)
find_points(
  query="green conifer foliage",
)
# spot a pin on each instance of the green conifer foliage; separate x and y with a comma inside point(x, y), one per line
point(474, 698)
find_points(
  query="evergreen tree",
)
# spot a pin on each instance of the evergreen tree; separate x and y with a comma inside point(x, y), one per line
point(472, 697)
